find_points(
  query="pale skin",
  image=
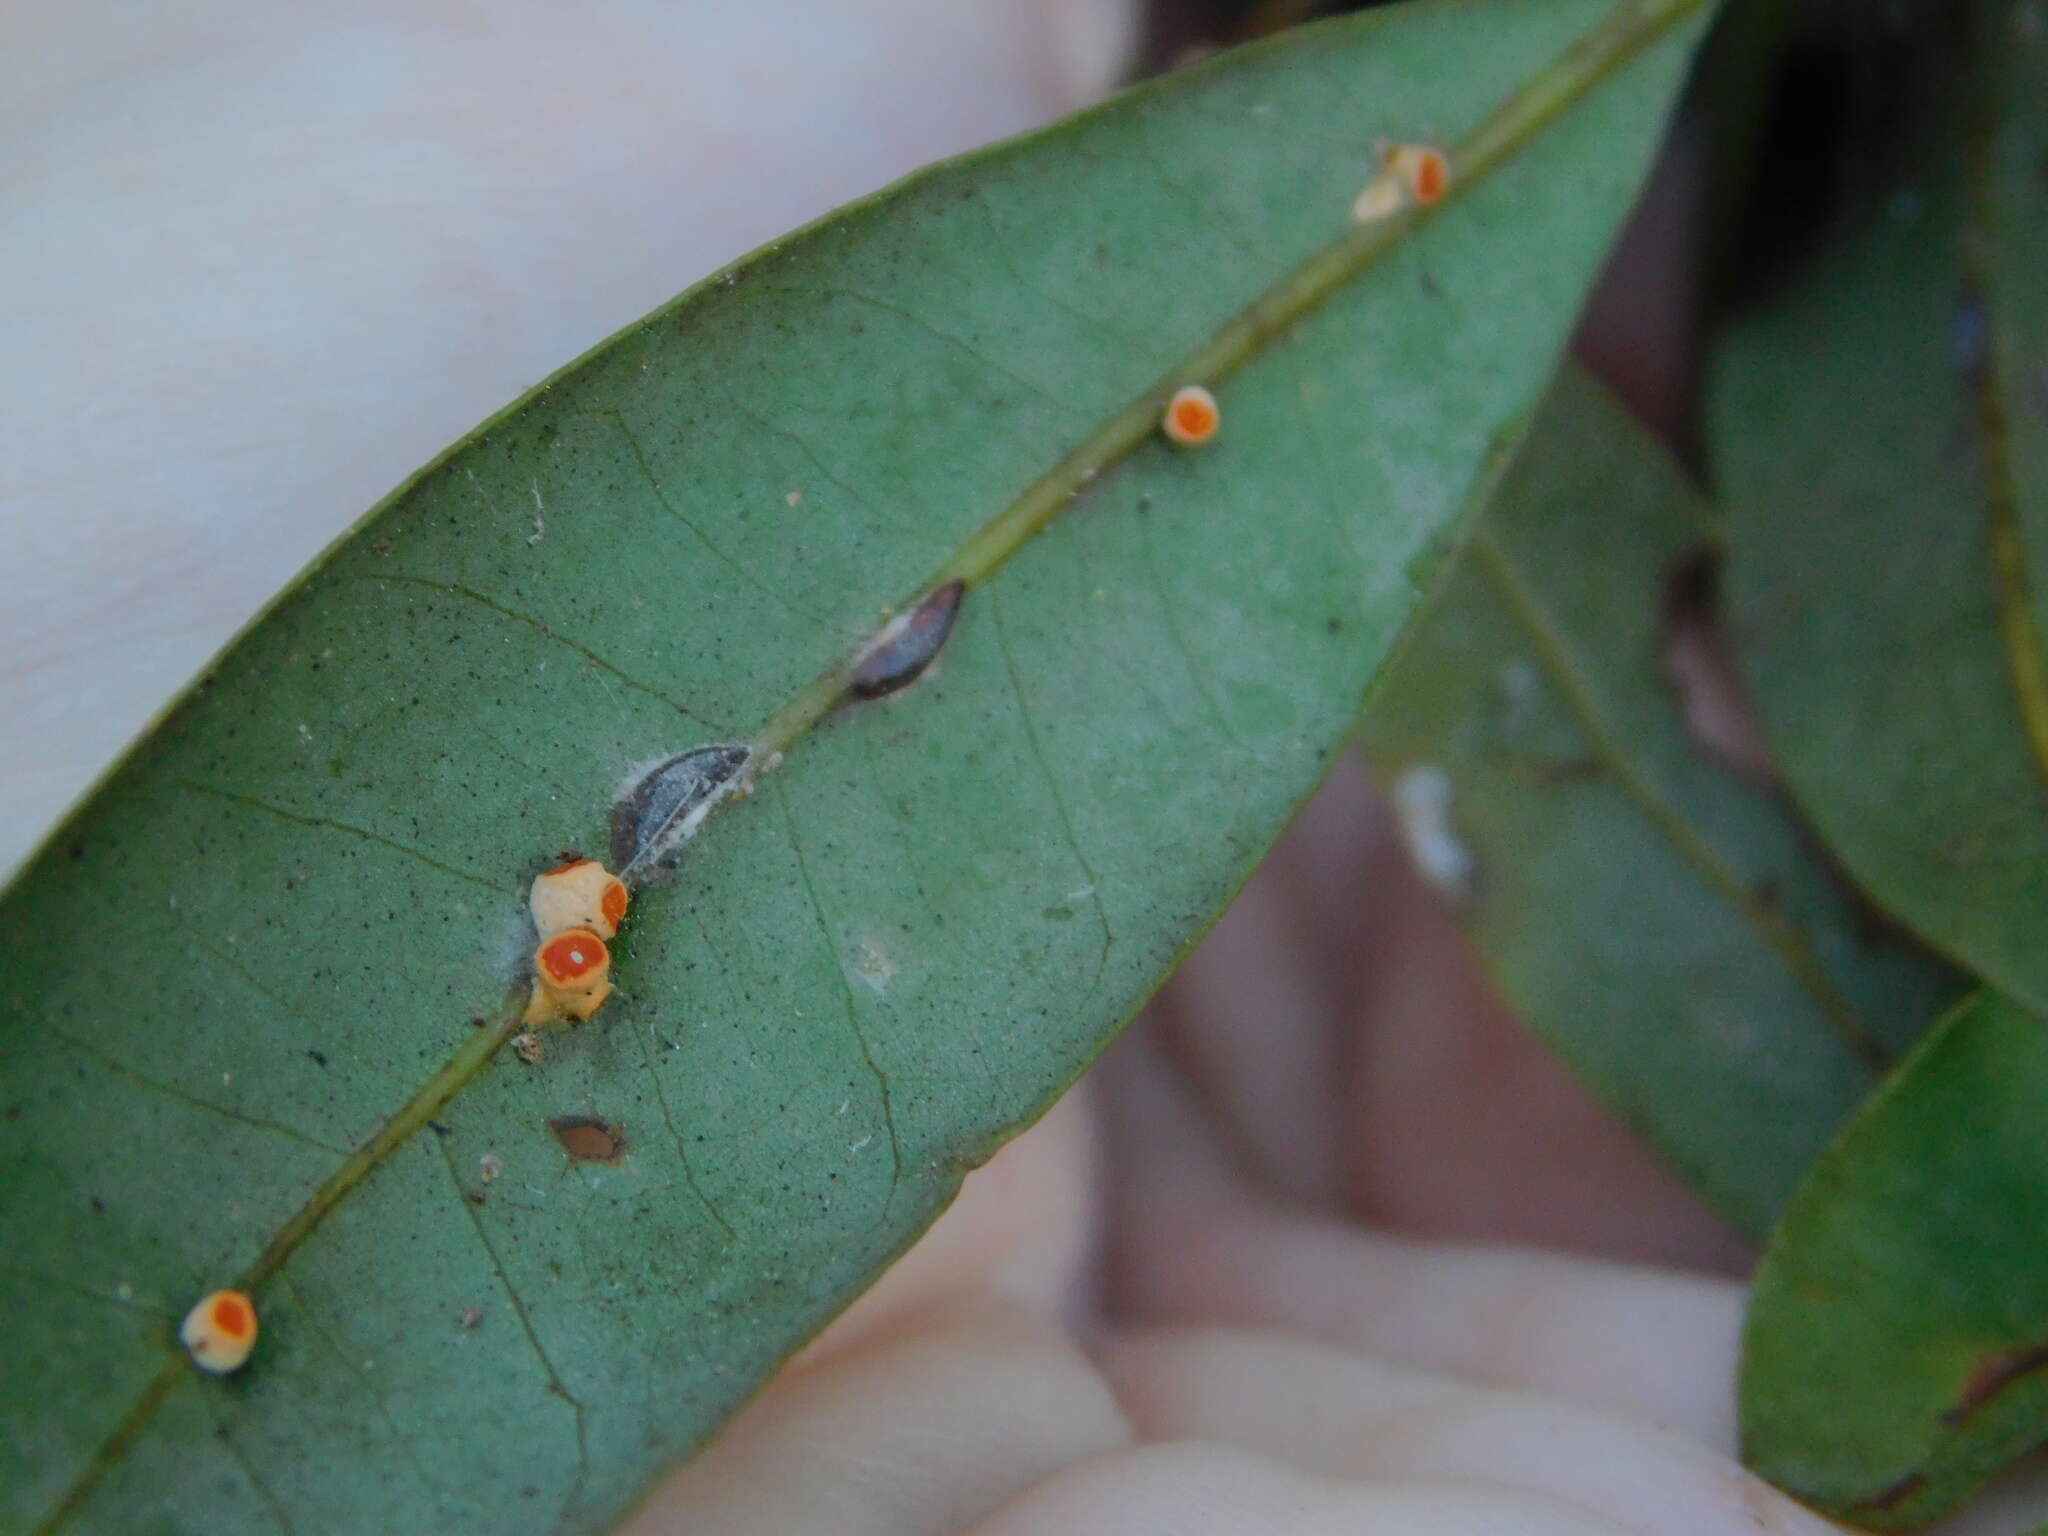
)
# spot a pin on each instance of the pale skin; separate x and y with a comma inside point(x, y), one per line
point(1329, 1246)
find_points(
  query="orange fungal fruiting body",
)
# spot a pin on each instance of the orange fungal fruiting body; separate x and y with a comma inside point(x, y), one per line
point(1424, 170)
point(220, 1331)
point(579, 894)
point(1409, 175)
point(576, 907)
point(570, 959)
point(571, 977)
point(1192, 416)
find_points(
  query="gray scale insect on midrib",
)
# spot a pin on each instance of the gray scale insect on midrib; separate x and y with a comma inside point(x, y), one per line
point(907, 645)
point(658, 813)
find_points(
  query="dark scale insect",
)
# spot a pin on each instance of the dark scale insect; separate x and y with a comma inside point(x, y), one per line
point(660, 811)
point(907, 644)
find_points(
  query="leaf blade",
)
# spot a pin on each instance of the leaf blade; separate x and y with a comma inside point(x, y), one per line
point(1658, 921)
point(1902, 1287)
point(1881, 530)
point(811, 1102)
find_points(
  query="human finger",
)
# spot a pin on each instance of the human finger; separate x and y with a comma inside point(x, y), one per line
point(1335, 1413)
point(918, 1435)
point(1192, 1242)
point(282, 256)
point(1191, 1489)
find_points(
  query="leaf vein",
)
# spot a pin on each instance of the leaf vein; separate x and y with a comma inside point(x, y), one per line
point(310, 1316)
point(682, 1150)
point(1058, 799)
point(264, 1491)
point(191, 1100)
point(74, 1288)
point(1170, 621)
point(770, 428)
point(328, 824)
point(939, 928)
point(555, 1383)
point(546, 632)
point(667, 505)
point(1569, 675)
point(832, 952)
point(937, 333)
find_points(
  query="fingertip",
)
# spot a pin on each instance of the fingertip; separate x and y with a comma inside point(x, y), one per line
point(920, 1434)
point(1196, 1489)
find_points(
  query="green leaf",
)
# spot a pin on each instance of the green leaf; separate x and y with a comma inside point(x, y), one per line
point(1881, 437)
point(239, 986)
point(1661, 922)
point(1896, 1353)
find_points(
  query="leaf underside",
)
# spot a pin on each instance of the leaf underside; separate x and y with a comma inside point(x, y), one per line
point(279, 918)
point(1881, 437)
point(1896, 1352)
point(1661, 922)
point(1881, 443)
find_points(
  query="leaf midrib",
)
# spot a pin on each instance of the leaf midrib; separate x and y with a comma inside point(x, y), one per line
point(1566, 672)
point(1630, 27)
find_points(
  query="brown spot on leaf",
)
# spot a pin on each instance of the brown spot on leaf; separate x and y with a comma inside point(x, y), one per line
point(588, 1139)
point(1896, 1494)
point(1993, 1374)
